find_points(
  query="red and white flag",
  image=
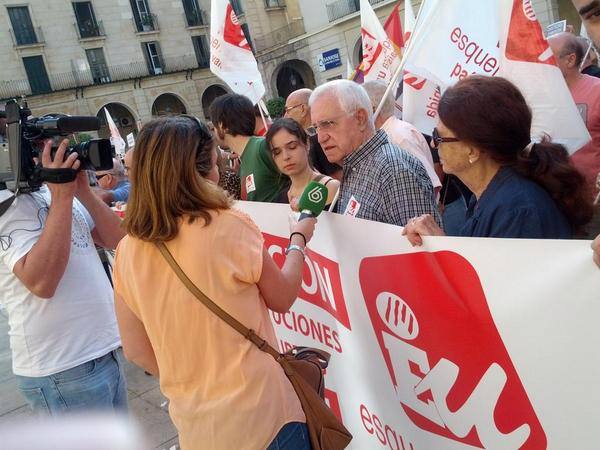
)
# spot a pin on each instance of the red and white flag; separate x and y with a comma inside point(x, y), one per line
point(452, 40)
point(420, 97)
point(380, 59)
point(231, 57)
point(115, 136)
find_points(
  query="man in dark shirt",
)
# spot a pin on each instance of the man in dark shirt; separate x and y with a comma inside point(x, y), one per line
point(380, 182)
point(296, 107)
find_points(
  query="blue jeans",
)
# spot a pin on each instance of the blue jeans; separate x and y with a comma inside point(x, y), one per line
point(98, 384)
point(293, 436)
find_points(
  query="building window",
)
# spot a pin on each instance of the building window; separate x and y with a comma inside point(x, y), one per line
point(202, 51)
point(193, 13)
point(274, 3)
point(37, 75)
point(153, 58)
point(144, 20)
point(98, 67)
point(22, 26)
point(237, 7)
point(86, 20)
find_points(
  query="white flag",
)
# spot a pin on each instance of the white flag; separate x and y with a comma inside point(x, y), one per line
point(231, 57)
point(115, 137)
point(420, 97)
point(380, 59)
point(497, 37)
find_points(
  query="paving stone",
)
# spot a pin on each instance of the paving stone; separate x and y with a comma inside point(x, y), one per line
point(172, 444)
point(10, 397)
point(17, 415)
point(137, 381)
point(5, 365)
point(156, 398)
point(156, 425)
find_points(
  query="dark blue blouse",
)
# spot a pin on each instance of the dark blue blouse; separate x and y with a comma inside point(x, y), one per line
point(514, 207)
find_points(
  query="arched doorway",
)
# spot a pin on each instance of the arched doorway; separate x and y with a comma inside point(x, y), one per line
point(293, 75)
point(209, 96)
point(168, 105)
point(123, 118)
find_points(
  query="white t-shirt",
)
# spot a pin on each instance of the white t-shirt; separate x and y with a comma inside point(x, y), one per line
point(78, 324)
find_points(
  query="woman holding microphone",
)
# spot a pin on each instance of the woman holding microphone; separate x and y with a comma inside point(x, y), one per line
point(224, 392)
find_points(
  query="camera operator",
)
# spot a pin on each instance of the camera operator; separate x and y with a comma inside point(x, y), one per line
point(63, 333)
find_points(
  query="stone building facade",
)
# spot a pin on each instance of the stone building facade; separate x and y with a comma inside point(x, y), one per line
point(145, 58)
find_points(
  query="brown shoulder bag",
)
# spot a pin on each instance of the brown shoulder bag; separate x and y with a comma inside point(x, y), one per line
point(302, 365)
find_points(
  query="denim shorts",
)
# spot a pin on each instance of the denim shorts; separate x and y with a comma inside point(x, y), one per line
point(292, 436)
point(98, 384)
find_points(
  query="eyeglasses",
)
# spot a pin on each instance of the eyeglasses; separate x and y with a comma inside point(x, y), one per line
point(99, 177)
point(327, 125)
point(287, 109)
point(437, 139)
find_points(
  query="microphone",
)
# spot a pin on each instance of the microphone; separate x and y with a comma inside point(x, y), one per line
point(78, 123)
point(313, 200)
point(68, 124)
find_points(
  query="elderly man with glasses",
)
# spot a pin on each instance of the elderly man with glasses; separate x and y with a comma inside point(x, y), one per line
point(296, 107)
point(380, 182)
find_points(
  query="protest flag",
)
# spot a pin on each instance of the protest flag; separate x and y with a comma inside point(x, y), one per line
point(420, 97)
point(380, 59)
point(393, 29)
point(452, 40)
point(115, 136)
point(231, 58)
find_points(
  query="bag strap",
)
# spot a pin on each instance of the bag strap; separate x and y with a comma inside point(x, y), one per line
point(216, 309)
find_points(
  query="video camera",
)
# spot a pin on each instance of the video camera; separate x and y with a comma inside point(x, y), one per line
point(26, 135)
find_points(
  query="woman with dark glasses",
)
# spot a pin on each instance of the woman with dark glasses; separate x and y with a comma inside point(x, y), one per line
point(521, 189)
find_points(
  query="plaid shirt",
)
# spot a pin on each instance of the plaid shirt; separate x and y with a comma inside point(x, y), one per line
point(386, 184)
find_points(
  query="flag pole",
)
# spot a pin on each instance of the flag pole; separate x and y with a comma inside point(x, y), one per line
point(262, 115)
point(399, 70)
point(589, 49)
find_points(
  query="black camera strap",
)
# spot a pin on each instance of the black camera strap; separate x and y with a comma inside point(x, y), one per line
point(58, 176)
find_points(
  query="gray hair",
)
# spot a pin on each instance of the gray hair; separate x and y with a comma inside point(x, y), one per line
point(376, 91)
point(118, 169)
point(351, 96)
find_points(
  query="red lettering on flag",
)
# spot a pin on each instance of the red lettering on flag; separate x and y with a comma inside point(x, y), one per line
point(371, 50)
point(233, 32)
point(526, 40)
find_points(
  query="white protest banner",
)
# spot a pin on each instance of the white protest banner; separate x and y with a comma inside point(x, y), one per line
point(231, 57)
point(462, 344)
point(380, 59)
point(497, 38)
point(115, 136)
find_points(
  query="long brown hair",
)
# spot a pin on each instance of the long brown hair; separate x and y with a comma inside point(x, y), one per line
point(492, 114)
point(171, 155)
